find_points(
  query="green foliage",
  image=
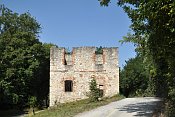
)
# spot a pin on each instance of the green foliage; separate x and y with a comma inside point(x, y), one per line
point(134, 77)
point(24, 61)
point(155, 20)
point(169, 108)
point(19, 53)
point(32, 101)
point(99, 50)
point(94, 93)
point(104, 2)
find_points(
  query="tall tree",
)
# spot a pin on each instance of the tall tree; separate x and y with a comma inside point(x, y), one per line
point(21, 56)
point(156, 19)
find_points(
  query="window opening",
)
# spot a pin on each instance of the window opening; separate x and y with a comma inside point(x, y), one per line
point(101, 91)
point(68, 86)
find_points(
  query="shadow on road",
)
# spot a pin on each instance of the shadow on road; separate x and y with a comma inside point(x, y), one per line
point(140, 109)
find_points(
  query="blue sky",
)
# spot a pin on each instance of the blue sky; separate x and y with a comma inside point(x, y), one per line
point(74, 23)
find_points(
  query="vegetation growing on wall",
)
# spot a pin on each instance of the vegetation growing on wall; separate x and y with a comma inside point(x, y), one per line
point(99, 50)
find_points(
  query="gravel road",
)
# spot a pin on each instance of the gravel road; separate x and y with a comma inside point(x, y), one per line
point(129, 107)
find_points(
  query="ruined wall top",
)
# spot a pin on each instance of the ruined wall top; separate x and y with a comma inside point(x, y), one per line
point(85, 48)
point(84, 58)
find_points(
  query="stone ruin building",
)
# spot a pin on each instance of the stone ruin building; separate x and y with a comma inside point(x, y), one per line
point(71, 73)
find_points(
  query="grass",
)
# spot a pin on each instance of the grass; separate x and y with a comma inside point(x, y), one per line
point(73, 108)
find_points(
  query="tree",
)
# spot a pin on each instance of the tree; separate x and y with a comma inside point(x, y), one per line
point(22, 57)
point(156, 20)
point(134, 77)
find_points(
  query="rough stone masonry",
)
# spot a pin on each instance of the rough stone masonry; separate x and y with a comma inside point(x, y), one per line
point(71, 73)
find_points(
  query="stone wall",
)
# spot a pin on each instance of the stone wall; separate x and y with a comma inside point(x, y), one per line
point(80, 66)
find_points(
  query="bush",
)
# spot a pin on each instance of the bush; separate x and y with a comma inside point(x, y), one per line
point(170, 107)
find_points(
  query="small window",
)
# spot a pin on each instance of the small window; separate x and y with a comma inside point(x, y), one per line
point(68, 85)
point(101, 90)
point(100, 85)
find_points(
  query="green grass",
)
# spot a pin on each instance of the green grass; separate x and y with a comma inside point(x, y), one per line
point(73, 108)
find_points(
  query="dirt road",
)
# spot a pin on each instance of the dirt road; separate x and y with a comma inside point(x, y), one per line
point(129, 107)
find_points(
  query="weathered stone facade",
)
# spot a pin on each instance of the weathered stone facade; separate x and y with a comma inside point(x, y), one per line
point(70, 73)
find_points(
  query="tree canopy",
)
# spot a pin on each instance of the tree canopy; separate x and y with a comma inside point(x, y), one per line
point(23, 59)
point(134, 77)
point(153, 28)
